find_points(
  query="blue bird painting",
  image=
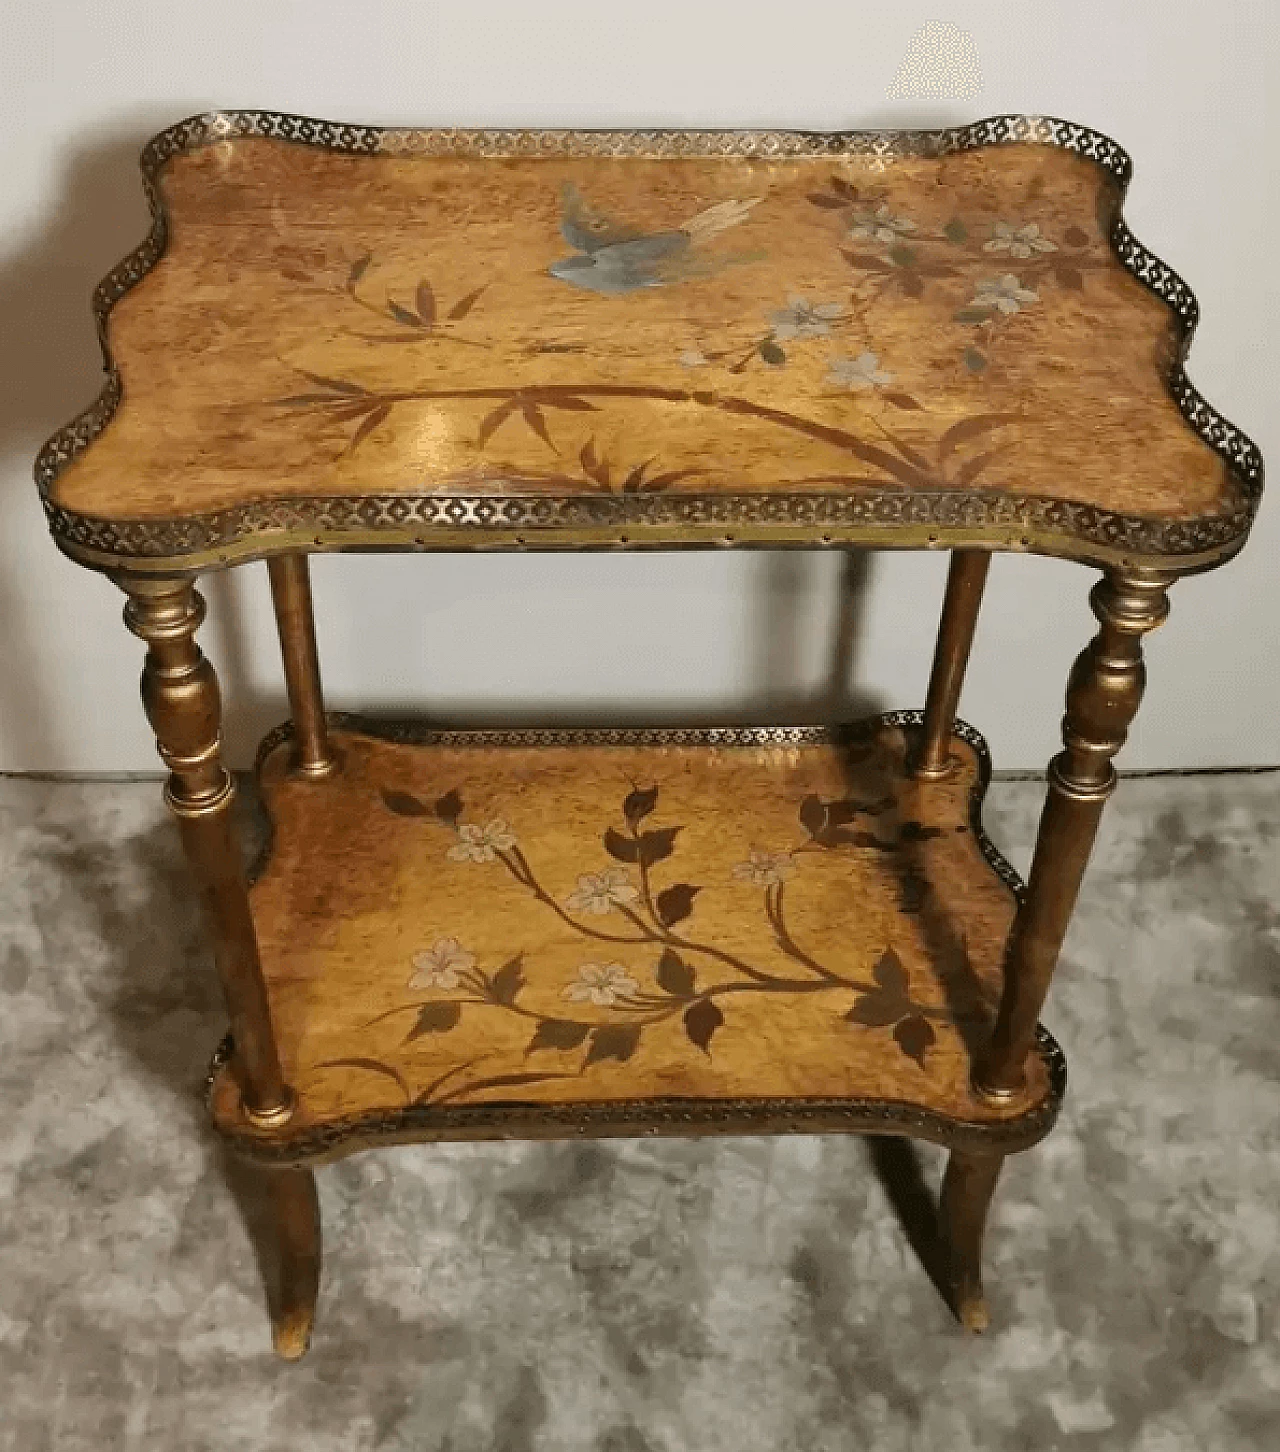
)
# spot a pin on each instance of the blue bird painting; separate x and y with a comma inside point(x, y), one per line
point(613, 257)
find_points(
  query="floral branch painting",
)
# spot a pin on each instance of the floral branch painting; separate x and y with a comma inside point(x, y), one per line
point(644, 962)
point(891, 254)
point(986, 274)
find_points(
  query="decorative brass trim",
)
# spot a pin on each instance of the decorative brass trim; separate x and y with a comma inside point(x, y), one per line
point(882, 518)
point(655, 1116)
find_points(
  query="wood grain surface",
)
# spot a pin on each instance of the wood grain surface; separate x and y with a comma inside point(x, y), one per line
point(330, 324)
point(461, 925)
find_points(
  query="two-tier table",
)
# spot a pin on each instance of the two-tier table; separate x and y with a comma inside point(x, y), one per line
point(349, 338)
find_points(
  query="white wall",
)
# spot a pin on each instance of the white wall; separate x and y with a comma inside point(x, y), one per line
point(1182, 86)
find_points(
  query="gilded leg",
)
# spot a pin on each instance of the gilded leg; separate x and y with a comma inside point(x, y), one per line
point(296, 1217)
point(967, 1188)
point(1103, 693)
point(291, 596)
point(180, 694)
point(966, 580)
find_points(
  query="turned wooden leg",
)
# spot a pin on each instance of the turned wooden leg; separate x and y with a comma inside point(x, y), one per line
point(967, 1188)
point(296, 1219)
point(291, 595)
point(180, 694)
point(966, 580)
point(1103, 693)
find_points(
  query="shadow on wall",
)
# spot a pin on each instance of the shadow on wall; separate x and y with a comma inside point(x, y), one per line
point(50, 369)
point(779, 688)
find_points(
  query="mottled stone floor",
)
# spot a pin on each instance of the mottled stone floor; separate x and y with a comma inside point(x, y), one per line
point(733, 1296)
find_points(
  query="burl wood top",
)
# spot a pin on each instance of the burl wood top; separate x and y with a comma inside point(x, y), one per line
point(451, 926)
point(617, 334)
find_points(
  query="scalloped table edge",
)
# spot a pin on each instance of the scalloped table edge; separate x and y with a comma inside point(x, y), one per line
point(878, 518)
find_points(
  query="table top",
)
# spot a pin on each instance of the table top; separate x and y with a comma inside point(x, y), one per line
point(347, 337)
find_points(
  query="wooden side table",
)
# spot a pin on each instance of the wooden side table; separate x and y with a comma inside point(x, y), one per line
point(346, 338)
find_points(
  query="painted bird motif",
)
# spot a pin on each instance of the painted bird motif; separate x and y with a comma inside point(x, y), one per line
point(613, 257)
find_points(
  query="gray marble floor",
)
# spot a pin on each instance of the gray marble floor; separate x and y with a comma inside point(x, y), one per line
point(733, 1296)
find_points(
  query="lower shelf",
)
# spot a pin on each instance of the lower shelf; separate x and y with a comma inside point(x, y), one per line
point(548, 933)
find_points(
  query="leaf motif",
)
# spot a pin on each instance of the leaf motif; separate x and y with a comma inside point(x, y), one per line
point(866, 260)
point(674, 975)
point(492, 420)
point(772, 354)
point(842, 812)
point(448, 808)
point(294, 274)
point(1076, 237)
point(296, 399)
point(623, 849)
point(593, 467)
point(970, 470)
point(631, 484)
point(845, 188)
point(825, 199)
point(903, 256)
point(900, 400)
point(913, 893)
point(358, 269)
point(1069, 276)
point(915, 1036)
point(913, 456)
point(404, 805)
point(373, 1066)
point(972, 314)
point(971, 428)
point(813, 815)
point(656, 845)
point(347, 409)
point(532, 415)
point(867, 839)
point(890, 463)
point(507, 982)
point(701, 1020)
point(371, 422)
point(890, 974)
point(918, 832)
point(558, 1033)
point(403, 315)
point(339, 385)
point(613, 1041)
point(499, 1081)
point(564, 400)
point(464, 304)
point(911, 284)
point(639, 803)
point(874, 809)
point(675, 903)
point(975, 360)
point(434, 1018)
point(876, 1010)
point(424, 1095)
point(426, 301)
point(955, 230)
